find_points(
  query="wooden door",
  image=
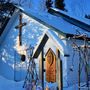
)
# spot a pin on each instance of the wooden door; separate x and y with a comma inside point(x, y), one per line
point(50, 66)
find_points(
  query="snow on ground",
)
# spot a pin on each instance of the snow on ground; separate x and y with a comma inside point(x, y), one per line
point(6, 84)
point(73, 87)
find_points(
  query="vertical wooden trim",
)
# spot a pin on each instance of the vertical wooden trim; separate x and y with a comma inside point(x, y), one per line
point(61, 75)
point(42, 54)
point(59, 71)
point(57, 53)
point(79, 77)
point(40, 67)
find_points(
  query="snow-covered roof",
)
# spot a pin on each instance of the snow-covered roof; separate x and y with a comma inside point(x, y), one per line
point(75, 17)
point(58, 43)
point(8, 26)
point(56, 23)
point(79, 22)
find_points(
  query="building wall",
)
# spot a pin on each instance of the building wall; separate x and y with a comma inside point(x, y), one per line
point(9, 47)
point(7, 51)
point(73, 64)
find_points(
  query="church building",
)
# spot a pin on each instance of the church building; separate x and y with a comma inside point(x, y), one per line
point(62, 52)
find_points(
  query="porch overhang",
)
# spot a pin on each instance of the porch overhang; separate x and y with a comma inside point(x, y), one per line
point(39, 48)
